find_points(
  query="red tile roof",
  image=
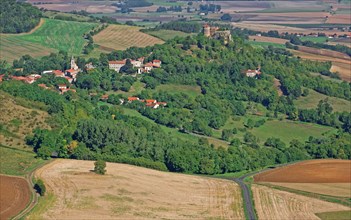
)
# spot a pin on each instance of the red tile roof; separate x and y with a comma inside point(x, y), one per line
point(133, 98)
point(71, 70)
point(104, 96)
point(117, 62)
point(150, 100)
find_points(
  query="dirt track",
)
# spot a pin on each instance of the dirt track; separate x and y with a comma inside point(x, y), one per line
point(129, 192)
point(14, 196)
point(312, 171)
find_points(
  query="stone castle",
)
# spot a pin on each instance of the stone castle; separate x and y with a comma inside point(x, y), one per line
point(215, 33)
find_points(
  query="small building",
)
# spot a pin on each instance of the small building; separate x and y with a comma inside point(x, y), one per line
point(132, 99)
point(62, 86)
point(58, 73)
point(149, 101)
point(156, 63)
point(72, 73)
point(2, 77)
point(89, 66)
point(148, 67)
point(253, 73)
point(152, 105)
point(104, 97)
point(116, 65)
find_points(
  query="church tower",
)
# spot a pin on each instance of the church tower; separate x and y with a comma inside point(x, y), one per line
point(73, 64)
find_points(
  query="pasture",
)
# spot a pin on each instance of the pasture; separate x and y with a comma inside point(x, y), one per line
point(121, 37)
point(129, 192)
point(192, 91)
point(341, 215)
point(276, 204)
point(168, 34)
point(326, 177)
point(284, 130)
point(51, 36)
point(15, 195)
point(313, 98)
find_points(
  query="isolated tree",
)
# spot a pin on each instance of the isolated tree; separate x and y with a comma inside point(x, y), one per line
point(100, 166)
point(40, 187)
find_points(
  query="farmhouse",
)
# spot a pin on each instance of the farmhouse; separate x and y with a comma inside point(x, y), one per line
point(58, 73)
point(253, 73)
point(151, 103)
point(116, 65)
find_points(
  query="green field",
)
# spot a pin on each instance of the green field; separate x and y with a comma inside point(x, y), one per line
point(313, 98)
point(314, 39)
point(192, 91)
point(284, 129)
point(52, 36)
point(265, 44)
point(17, 162)
point(341, 215)
point(168, 34)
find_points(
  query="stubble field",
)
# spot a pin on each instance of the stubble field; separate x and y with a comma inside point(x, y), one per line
point(129, 192)
point(275, 204)
point(121, 37)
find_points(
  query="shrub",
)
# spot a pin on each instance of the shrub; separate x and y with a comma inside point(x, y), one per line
point(40, 187)
point(100, 166)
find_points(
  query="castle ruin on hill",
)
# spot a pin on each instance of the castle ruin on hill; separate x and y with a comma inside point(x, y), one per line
point(215, 33)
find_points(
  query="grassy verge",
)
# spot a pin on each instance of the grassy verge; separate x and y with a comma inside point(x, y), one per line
point(18, 162)
point(43, 203)
point(341, 215)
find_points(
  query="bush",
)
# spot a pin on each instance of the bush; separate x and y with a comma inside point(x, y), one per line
point(40, 187)
point(100, 166)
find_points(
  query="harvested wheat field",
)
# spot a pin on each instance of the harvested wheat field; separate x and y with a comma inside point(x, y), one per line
point(129, 192)
point(275, 204)
point(329, 177)
point(14, 196)
point(121, 37)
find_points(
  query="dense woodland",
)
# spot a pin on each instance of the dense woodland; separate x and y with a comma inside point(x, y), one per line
point(18, 17)
point(83, 128)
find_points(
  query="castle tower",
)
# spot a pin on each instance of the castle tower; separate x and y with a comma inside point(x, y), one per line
point(73, 64)
point(207, 30)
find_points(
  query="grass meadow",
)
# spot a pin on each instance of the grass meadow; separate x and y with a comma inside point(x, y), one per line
point(313, 98)
point(52, 36)
point(168, 34)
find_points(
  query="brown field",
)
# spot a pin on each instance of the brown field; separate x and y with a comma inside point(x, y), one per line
point(288, 17)
point(324, 52)
point(15, 195)
point(129, 192)
point(275, 204)
point(121, 37)
point(19, 121)
point(268, 39)
point(343, 69)
point(311, 171)
point(328, 177)
point(339, 19)
point(280, 28)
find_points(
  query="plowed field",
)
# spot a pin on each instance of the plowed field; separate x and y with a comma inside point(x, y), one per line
point(14, 196)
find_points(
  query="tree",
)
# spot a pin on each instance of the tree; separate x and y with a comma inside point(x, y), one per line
point(100, 166)
point(127, 68)
point(226, 133)
point(40, 187)
point(226, 17)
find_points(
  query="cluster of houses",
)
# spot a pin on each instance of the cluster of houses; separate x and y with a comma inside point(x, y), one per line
point(151, 103)
point(116, 65)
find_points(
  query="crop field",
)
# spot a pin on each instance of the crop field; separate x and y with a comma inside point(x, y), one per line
point(18, 119)
point(324, 52)
point(15, 195)
point(314, 39)
point(129, 192)
point(327, 177)
point(168, 34)
point(51, 36)
point(275, 204)
point(268, 39)
point(313, 98)
point(121, 37)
